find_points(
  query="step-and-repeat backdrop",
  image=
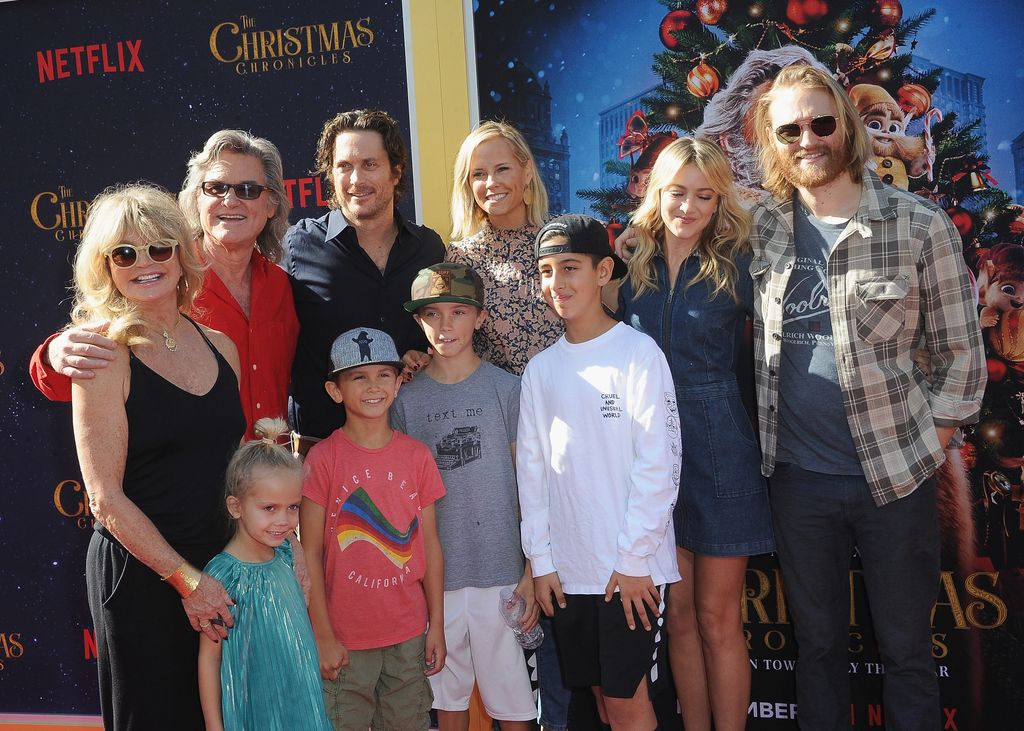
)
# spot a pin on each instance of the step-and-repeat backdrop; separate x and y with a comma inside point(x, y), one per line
point(97, 93)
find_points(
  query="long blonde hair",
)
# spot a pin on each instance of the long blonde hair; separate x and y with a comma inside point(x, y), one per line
point(855, 138)
point(467, 216)
point(726, 235)
point(147, 213)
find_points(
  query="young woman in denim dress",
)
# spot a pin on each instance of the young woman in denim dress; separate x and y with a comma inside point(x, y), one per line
point(689, 289)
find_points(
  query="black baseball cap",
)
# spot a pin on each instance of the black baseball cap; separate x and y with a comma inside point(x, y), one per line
point(578, 234)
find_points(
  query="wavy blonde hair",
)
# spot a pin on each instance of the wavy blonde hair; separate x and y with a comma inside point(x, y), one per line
point(240, 142)
point(467, 216)
point(724, 238)
point(147, 213)
point(848, 124)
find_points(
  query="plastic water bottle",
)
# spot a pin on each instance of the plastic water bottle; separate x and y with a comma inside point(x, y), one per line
point(513, 608)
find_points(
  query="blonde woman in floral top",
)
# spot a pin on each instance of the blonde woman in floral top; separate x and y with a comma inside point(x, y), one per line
point(498, 204)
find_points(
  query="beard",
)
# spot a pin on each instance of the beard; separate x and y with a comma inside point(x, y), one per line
point(824, 171)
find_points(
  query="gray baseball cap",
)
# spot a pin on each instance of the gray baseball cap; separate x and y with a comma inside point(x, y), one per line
point(363, 346)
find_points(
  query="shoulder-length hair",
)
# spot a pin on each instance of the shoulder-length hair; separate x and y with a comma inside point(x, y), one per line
point(240, 142)
point(724, 238)
point(855, 138)
point(356, 120)
point(146, 213)
point(467, 216)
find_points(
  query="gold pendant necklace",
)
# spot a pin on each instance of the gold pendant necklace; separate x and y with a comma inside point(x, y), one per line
point(169, 342)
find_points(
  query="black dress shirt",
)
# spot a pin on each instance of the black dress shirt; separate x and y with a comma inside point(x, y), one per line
point(337, 287)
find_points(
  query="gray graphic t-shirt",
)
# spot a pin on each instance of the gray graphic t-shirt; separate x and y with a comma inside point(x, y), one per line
point(813, 430)
point(469, 426)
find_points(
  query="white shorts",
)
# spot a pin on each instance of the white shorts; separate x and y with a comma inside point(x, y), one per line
point(482, 648)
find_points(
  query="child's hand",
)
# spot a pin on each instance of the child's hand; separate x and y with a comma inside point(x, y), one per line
point(333, 657)
point(525, 589)
point(415, 361)
point(635, 591)
point(546, 585)
point(434, 650)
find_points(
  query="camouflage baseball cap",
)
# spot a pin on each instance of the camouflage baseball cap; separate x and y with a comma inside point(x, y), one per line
point(446, 282)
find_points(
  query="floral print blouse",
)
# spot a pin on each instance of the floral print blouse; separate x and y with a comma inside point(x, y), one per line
point(519, 323)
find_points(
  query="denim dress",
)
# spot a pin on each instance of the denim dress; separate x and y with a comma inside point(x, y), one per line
point(722, 508)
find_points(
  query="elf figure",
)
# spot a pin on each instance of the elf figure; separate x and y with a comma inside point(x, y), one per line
point(886, 123)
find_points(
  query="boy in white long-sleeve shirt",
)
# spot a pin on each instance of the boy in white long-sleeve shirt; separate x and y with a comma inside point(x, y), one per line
point(598, 464)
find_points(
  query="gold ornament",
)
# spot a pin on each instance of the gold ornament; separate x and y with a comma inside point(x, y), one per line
point(702, 81)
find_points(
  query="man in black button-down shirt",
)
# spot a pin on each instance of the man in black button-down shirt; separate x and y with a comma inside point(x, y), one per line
point(354, 266)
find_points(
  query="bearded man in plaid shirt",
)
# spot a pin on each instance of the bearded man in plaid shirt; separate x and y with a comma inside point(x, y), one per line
point(851, 278)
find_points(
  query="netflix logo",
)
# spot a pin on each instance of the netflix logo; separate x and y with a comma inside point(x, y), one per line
point(120, 57)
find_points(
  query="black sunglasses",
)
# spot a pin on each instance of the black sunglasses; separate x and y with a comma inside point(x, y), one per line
point(820, 126)
point(125, 256)
point(245, 191)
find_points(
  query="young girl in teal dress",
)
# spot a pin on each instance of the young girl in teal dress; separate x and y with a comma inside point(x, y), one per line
point(265, 676)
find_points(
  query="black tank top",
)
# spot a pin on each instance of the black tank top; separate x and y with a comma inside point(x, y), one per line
point(179, 445)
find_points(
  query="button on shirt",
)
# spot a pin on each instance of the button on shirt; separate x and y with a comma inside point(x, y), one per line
point(337, 287)
point(896, 277)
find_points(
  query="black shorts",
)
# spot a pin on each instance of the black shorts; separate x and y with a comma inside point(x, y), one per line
point(597, 648)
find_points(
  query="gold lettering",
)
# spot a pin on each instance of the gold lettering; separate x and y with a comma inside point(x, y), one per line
point(754, 597)
point(939, 648)
point(52, 198)
point(949, 588)
point(80, 505)
point(329, 40)
point(365, 32)
point(292, 45)
point(971, 585)
point(214, 49)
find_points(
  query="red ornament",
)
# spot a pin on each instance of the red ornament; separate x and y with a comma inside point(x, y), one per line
point(1017, 225)
point(887, 13)
point(963, 221)
point(914, 99)
point(702, 81)
point(676, 20)
point(802, 12)
point(711, 11)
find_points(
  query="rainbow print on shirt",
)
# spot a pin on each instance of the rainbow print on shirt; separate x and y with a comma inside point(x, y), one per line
point(361, 520)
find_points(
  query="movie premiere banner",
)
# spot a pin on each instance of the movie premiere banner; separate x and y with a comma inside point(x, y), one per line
point(599, 87)
point(98, 93)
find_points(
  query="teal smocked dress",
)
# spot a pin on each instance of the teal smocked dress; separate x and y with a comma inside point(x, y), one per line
point(269, 671)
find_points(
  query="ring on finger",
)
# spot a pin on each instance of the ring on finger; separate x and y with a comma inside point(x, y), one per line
point(204, 624)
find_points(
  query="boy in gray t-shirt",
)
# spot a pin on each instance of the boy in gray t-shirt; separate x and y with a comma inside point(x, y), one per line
point(467, 412)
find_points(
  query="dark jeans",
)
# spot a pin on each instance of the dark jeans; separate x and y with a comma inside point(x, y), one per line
point(818, 520)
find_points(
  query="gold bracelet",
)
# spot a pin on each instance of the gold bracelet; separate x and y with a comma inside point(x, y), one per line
point(184, 579)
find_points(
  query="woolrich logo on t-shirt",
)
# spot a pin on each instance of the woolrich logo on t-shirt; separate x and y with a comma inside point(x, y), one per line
point(360, 520)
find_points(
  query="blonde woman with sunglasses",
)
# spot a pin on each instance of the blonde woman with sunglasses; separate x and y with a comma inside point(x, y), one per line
point(154, 431)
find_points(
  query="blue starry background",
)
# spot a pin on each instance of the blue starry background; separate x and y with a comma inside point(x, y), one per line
point(85, 133)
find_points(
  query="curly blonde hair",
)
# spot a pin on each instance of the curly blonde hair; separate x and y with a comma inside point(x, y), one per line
point(725, 237)
point(147, 213)
point(467, 217)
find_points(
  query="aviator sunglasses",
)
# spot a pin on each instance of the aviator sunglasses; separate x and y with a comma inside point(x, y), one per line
point(245, 191)
point(823, 126)
point(125, 256)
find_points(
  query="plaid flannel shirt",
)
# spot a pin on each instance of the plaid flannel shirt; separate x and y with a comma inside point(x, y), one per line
point(896, 279)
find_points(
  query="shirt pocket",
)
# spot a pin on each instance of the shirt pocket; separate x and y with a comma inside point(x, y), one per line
point(881, 307)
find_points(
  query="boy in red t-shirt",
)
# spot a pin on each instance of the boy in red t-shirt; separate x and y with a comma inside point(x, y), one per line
point(370, 538)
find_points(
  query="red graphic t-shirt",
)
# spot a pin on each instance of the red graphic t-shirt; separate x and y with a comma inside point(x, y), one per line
point(373, 548)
